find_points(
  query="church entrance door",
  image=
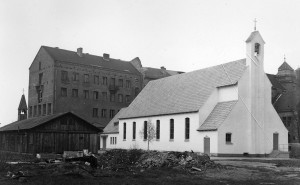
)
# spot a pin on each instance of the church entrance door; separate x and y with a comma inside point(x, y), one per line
point(207, 145)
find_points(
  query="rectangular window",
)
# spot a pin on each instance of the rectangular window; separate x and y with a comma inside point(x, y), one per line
point(133, 130)
point(95, 112)
point(96, 79)
point(103, 113)
point(40, 78)
point(111, 113)
point(95, 95)
point(127, 98)
point(40, 65)
point(75, 93)
point(228, 137)
point(104, 96)
point(120, 83)
point(111, 140)
point(145, 130)
point(64, 76)
point(289, 121)
point(44, 109)
point(86, 94)
point(124, 131)
point(39, 110)
point(120, 98)
point(112, 97)
point(75, 76)
point(86, 78)
point(171, 129)
point(113, 81)
point(115, 140)
point(49, 108)
point(187, 128)
point(34, 110)
point(157, 129)
point(64, 92)
point(40, 94)
point(104, 80)
point(30, 111)
point(128, 84)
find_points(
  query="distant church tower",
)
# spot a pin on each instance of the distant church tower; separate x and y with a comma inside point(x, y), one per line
point(22, 110)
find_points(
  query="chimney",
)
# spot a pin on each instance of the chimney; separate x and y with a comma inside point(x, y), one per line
point(79, 52)
point(163, 68)
point(105, 56)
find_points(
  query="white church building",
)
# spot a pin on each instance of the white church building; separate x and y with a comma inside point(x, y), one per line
point(223, 110)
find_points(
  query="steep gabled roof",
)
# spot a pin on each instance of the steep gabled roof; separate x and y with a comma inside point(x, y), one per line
point(113, 125)
point(253, 35)
point(88, 59)
point(23, 104)
point(285, 66)
point(217, 116)
point(185, 92)
point(34, 122)
point(275, 83)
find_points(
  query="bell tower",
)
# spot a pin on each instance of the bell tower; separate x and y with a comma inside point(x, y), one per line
point(22, 110)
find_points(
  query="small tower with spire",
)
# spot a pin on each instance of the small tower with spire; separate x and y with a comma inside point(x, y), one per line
point(22, 110)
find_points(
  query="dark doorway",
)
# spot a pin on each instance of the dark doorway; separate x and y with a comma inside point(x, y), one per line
point(104, 142)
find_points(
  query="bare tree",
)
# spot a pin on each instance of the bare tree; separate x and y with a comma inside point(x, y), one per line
point(148, 132)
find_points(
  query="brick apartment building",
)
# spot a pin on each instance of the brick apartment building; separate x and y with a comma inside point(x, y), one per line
point(93, 87)
point(286, 100)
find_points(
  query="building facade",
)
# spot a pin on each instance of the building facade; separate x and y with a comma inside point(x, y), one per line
point(93, 87)
point(286, 99)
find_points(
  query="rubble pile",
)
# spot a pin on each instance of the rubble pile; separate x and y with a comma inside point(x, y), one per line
point(118, 159)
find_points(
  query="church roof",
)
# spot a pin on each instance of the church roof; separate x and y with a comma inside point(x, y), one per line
point(253, 35)
point(34, 122)
point(23, 104)
point(285, 66)
point(217, 116)
point(113, 125)
point(185, 92)
point(88, 59)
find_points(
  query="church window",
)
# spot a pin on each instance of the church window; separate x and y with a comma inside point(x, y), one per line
point(228, 137)
point(256, 48)
point(187, 128)
point(64, 92)
point(171, 129)
point(157, 129)
point(145, 130)
point(124, 130)
point(133, 130)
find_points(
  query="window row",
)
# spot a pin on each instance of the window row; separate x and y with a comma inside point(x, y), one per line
point(38, 110)
point(96, 95)
point(95, 113)
point(96, 79)
point(113, 140)
point(150, 131)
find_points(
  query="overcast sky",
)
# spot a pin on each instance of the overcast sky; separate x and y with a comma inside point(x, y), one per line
point(182, 35)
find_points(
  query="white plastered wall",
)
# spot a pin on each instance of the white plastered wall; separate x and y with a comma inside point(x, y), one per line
point(108, 144)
